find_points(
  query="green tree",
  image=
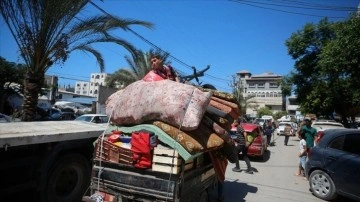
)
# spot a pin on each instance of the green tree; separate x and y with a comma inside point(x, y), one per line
point(10, 73)
point(139, 66)
point(47, 31)
point(279, 114)
point(327, 66)
point(264, 111)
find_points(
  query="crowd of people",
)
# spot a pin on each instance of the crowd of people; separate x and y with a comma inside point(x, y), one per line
point(306, 133)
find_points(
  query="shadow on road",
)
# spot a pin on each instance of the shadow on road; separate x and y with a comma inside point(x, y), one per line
point(236, 191)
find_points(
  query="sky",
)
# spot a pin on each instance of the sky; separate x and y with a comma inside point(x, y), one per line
point(230, 36)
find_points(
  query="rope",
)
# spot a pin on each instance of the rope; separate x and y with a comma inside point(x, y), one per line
point(101, 152)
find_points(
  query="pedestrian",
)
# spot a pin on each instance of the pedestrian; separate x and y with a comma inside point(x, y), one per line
point(309, 133)
point(302, 155)
point(160, 71)
point(288, 131)
point(242, 147)
point(268, 130)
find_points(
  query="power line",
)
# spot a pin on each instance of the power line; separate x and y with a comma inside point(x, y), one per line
point(152, 44)
point(301, 5)
point(252, 3)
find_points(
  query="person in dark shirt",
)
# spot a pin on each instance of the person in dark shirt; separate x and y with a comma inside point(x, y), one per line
point(242, 147)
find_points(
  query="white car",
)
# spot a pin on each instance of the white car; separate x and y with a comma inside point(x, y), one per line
point(281, 126)
point(322, 125)
point(94, 118)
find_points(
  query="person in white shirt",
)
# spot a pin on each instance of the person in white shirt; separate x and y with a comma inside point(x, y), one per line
point(302, 155)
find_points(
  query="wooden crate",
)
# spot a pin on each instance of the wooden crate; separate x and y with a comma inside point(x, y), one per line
point(113, 153)
point(168, 161)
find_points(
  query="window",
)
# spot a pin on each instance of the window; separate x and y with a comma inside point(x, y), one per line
point(337, 143)
point(352, 143)
point(251, 85)
point(273, 85)
point(261, 85)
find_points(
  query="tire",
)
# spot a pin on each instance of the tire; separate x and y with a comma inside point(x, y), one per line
point(322, 186)
point(68, 179)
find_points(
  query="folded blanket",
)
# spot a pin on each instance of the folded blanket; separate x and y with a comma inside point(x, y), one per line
point(183, 138)
point(199, 140)
point(168, 101)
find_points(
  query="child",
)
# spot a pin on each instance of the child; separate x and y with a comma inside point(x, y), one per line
point(302, 155)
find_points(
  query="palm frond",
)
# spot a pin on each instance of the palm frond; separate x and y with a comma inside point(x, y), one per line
point(98, 56)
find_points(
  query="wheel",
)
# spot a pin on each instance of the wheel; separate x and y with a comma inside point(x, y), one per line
point(68, 179)
point(322, 186)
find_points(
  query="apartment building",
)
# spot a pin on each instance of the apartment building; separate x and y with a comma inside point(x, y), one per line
point(91, 88)
point(264, 90)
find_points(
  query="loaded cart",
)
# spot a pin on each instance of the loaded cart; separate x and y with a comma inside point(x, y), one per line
point(174, 174)
point(169, 142)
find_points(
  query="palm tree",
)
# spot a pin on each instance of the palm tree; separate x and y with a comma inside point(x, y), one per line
point(139, 67)
point(10, 73)
point(47, 31)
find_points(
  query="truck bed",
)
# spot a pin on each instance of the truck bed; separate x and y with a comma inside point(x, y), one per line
point(26, 133)
point(147, 185)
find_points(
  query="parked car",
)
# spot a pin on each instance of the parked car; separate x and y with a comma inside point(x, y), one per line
point(5, 118)
point(322, 125)
point(333, 165)
point(94, 118)
point(259, 146)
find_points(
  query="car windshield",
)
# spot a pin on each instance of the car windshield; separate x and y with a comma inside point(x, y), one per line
point(84, 118)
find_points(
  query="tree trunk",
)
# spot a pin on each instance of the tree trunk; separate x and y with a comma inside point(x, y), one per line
point(32, 89)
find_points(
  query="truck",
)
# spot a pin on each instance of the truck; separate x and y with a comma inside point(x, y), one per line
point(173, 175)
point(46, 161)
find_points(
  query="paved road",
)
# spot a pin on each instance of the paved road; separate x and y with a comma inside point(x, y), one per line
point(273, 179)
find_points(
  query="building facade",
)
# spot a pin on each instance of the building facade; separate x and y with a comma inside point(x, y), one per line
point(96, 80)
point(263, 90)
point(82, 88)
point(90, 88)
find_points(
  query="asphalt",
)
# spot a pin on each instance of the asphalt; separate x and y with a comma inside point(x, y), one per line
point(273, 179)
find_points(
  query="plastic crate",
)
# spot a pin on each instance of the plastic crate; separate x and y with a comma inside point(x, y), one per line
point(113, 153)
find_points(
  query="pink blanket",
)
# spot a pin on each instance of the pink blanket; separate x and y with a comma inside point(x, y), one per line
point(174, 103)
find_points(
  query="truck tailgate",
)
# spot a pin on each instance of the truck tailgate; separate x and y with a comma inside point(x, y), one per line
point(127, 181)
